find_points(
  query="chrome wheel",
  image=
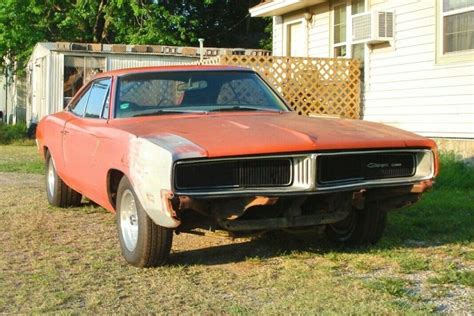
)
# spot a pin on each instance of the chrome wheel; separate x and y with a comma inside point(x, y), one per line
point(129, 220)
point(51, 177)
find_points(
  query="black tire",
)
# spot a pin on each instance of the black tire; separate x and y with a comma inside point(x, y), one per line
point(59, 193)
point(31, 132)
point(361, 228)
point(152, 245)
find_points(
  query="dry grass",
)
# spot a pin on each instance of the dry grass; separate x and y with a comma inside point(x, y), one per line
point(68, 260)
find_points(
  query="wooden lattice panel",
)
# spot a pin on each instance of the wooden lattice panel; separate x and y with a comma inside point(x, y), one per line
point(310, 85)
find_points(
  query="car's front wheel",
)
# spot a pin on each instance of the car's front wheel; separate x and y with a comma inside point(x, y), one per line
point(59, 193)
point(361, 228)
point(143, 243)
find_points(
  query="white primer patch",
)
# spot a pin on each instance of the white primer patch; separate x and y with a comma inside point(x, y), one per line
point(151, 166)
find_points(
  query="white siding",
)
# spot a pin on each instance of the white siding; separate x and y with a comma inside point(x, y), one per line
point(317, 28)
point(277, 36)
point(319, 31)
point(407, 89)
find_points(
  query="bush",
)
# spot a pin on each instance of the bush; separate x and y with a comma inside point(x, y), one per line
point(11, 133)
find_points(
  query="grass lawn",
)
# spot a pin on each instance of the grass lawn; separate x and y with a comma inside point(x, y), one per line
point(21, 157)
point(68, 260)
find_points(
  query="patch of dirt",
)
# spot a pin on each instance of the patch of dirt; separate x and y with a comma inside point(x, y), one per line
point(18, 188)
point(456, 299)
point(76, 252)
point(10, 180)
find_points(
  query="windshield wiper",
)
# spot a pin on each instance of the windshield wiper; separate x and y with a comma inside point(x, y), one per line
point(240, 108)
point(161, 112)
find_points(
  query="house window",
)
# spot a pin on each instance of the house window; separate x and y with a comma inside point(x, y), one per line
point(358, 50)
point(358, 6)
point(458, 25)
point(342, 41)
point(339, 31)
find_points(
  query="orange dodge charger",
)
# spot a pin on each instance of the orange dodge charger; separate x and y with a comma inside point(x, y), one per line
point(216, 150)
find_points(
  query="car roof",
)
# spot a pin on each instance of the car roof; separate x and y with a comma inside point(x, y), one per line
point(126, 71)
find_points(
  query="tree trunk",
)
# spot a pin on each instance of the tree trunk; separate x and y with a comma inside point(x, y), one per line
point(100, 22)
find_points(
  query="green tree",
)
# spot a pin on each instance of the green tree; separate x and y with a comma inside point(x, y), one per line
point(222, 23)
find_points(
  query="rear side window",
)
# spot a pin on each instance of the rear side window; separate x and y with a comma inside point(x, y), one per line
point(98, 96)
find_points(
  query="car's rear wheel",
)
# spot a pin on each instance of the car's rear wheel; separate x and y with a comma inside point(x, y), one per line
point(59, 193)
point(143, 243)
point(361, 228)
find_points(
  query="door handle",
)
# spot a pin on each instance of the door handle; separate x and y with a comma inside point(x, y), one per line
point(64, 132)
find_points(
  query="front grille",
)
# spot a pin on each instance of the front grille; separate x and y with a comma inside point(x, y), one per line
point(245, 173)
point(364, 166)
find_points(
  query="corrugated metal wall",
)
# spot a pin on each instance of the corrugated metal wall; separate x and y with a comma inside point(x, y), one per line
point(13, 99)
point(131, 61)
point(55, 85)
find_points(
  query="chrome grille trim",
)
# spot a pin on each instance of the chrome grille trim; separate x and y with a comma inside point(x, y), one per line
point(304, 172)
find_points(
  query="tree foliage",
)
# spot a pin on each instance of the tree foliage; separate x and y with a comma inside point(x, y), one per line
point(222, 23)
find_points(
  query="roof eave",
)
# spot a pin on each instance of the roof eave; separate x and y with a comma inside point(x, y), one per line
point(281, 7)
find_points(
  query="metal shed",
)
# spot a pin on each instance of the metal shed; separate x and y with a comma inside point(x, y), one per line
point(57, 70)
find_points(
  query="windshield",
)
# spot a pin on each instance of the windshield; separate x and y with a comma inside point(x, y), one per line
point(193, 91)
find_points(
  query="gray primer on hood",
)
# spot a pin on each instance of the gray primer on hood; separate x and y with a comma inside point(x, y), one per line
point(179, 147)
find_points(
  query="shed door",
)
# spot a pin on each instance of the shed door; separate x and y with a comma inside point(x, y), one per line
point(39, 88)
point(295, 41)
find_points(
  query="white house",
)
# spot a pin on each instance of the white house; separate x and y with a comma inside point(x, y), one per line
point(417, 57)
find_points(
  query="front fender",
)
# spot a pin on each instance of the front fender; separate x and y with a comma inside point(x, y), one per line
point(150, 164)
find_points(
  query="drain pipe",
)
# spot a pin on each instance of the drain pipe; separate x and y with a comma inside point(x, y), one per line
point(201, 49)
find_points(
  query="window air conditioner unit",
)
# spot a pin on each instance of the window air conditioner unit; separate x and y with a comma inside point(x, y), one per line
point(372, 27)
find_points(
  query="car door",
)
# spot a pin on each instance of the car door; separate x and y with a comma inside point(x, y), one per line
point(82, 138)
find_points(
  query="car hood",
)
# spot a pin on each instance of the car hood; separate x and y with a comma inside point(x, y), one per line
point(236, 134)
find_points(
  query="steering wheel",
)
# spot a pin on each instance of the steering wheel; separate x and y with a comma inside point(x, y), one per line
point(166, 101)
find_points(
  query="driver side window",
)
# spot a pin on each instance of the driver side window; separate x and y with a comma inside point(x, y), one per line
point(98, 96)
